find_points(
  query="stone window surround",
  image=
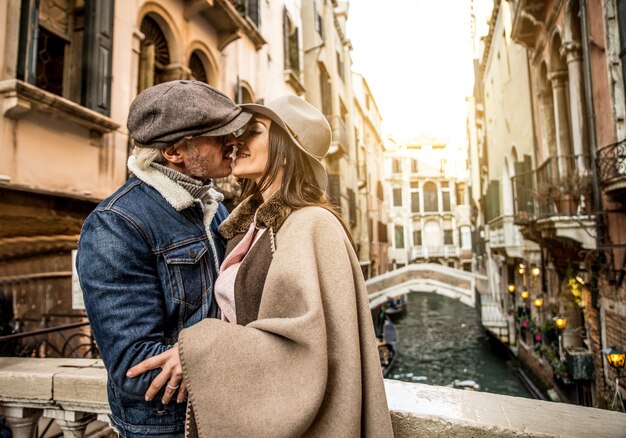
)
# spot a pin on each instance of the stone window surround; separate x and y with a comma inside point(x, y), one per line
point(20, 97)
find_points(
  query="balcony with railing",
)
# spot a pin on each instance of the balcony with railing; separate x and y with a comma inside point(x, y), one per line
point(505, 237)
point(612, 170)
point(441, 251)
point(230, 18)
point(555, 199)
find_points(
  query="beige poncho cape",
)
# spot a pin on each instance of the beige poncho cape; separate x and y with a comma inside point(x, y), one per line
point(308, 365)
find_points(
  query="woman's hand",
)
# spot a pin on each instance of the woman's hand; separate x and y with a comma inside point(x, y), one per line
point(171, 375)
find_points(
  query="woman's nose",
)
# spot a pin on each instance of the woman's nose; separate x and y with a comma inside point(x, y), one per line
point(231, 140)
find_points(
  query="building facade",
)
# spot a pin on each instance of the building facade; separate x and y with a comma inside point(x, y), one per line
point(429, 213)
point(507, 146)
point(561, 185)
point(328, 79)
point(372, 242)
point(69, 71)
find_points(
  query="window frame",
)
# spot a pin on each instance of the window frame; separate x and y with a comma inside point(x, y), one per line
point(96, 59)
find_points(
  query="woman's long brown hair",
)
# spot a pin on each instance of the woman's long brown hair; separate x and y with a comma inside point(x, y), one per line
point(299, 187)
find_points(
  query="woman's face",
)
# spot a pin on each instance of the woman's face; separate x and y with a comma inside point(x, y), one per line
point(253, 149)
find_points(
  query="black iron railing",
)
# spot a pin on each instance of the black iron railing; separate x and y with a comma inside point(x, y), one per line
point(63, 340)
point(612, 163)
point(560, 186)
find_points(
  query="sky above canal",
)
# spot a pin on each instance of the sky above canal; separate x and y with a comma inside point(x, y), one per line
point(417, 58)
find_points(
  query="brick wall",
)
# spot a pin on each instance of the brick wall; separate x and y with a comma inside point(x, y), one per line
point(592, 323)
point(539, 367)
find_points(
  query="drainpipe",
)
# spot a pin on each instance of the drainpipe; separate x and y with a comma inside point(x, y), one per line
point(593, 149)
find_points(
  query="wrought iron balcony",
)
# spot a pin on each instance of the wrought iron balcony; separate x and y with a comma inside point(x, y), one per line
point(230, 18)
point(556, 197)
point(561, 186)
point(612, 170)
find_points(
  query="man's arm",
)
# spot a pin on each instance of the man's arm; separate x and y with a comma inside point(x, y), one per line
point(123, 296)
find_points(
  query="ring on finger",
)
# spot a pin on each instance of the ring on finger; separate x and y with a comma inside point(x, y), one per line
point(173, 388)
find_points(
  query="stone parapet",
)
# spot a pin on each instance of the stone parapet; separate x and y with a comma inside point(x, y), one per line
point(73, 393)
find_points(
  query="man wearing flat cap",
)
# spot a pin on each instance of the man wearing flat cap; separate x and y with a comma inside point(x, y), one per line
point(149, 254)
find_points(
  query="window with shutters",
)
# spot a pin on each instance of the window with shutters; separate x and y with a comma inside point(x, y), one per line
point(397, 197)
point(396, 165)
point(291, 44)
point(65, 48)
point(325, 91)
point(460, 194)
point(318, 22)
point(417, 237)
point(352, 206)
point(253, 11)
point(340, 65)
point(382, 232)
point(431, 203)
point(415, 197)
point(399, 236)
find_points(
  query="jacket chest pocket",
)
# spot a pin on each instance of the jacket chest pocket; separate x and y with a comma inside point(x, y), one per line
point(188, 273)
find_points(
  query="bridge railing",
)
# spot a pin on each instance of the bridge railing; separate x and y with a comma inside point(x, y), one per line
point(73, 393)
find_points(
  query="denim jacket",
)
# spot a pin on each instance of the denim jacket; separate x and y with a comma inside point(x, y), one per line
point(146, 266)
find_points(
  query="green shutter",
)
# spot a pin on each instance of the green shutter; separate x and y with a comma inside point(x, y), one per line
point(29, 34)
point(254, 12)
point(97, 55)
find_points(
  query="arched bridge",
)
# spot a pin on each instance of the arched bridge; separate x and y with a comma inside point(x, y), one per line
point(467, 287)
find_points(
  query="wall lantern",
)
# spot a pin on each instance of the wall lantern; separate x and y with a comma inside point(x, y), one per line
point(525, 294)
point(560, 323)
point(511, 288)
point(538, 302)
point(521, 269)
point(535, 271)
point(615, 357)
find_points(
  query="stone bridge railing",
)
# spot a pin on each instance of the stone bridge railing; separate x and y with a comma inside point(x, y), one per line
point(73, 393)
point(424, 277)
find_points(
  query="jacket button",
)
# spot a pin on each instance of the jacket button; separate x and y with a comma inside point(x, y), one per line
point(192, 253)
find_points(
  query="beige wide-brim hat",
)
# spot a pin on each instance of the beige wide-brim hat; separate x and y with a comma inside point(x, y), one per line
point(306, 126)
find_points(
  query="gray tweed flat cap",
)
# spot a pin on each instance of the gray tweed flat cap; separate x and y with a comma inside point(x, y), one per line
point(164, 114)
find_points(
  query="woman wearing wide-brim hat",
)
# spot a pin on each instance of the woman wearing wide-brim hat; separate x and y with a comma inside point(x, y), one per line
point(294, 353)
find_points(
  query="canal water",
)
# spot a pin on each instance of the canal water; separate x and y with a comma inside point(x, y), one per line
point(441, 340)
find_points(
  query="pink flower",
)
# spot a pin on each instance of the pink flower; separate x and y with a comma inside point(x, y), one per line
point(525, 323)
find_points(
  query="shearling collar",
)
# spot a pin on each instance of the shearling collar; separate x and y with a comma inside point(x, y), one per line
point(176, 195)
point(270, 214)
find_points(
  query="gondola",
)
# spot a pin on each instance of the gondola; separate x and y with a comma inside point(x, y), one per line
point(387, 337)
point(396, 306)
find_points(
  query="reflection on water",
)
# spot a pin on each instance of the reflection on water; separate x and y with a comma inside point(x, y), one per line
point(442, 340)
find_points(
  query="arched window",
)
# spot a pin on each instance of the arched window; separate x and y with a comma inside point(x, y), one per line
point(431, 203)
point(154, 55)
point(198, 72)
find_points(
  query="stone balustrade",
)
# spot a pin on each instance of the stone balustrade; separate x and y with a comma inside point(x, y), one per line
point(73, 393)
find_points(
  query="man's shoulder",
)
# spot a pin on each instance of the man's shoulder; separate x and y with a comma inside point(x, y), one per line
point(130, 197)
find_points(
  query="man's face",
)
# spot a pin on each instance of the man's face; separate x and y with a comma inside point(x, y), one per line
point(206, 158)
